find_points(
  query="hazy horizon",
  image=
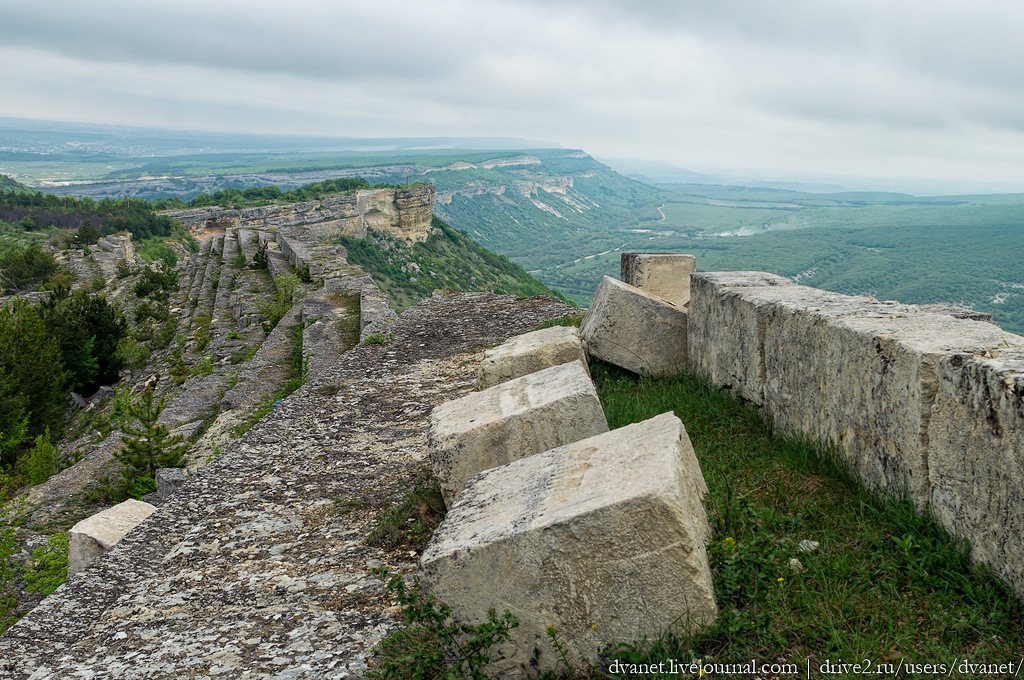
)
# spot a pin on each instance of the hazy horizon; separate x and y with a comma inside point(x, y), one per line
point(793, 89)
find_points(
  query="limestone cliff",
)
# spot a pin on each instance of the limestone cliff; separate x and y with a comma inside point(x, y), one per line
point(404, 212)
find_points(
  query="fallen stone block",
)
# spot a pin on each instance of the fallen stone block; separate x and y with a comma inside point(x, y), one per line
point(976, 457)
point(635, 330)
point(666, 275)
point(513, 420)
point(88, 539)
point(169, 480)
point(529, 353)
point(576, 538)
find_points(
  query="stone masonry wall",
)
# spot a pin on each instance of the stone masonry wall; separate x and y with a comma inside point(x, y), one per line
point(917, 402)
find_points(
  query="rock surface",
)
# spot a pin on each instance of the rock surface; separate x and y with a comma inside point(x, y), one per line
point(404, 212)
point(976, 456)
point(530, 352)
point(574, 538)
point(88, 539)
point(512, 420)
point(635, 330)
point(666, 275)
point(249, 570)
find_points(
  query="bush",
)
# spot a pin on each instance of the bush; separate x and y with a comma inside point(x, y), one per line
point(41, 460)
point(49, 566)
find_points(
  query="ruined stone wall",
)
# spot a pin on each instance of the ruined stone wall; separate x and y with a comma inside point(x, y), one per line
point(405, 212)
point(917, 402)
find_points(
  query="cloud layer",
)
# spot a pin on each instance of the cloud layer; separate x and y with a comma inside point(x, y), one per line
point(795, 87)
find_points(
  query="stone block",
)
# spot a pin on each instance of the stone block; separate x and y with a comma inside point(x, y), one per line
point(976, 456)
point(723, 338)
point(666, 275)
point(513, 420)
point(528, 353)
point(635, 330)
point(88, 539)
point(169, 480)
point(607, 532)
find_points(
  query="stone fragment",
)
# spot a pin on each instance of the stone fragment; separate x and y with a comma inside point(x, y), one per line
point(529, 353)
point(602, 539)
point(635, 330)
point(169, 480)
point(94, 535)
point(796, 566)
point(807, 545)
point(976, 456)
point(513, 420)
point(666, 275)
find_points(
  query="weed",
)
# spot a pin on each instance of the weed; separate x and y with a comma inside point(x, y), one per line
point(412, 520)
point(432, 644)
point(379, 338)
point(234, 335)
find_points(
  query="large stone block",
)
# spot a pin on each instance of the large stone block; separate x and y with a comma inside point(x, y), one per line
point(529, 353)
point(88, 539)
point(865, 380)
point(603, 539)
point(724, 337)
point(976, 456)
point(635, 330)
point(666, 275)
point(513, 420)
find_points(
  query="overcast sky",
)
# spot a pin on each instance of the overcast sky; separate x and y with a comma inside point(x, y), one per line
point(783, 88)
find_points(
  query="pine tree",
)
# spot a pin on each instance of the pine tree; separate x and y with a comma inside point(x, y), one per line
point(150, 445)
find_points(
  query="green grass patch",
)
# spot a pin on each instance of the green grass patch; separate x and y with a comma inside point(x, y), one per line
point(573, 320)
point(885, 583)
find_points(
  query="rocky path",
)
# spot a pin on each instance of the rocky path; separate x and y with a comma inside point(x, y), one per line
point(259, 566)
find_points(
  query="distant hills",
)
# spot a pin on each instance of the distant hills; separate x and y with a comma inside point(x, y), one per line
point(566, 217)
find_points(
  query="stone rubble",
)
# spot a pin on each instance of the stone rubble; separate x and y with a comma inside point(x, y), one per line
point(249, 570)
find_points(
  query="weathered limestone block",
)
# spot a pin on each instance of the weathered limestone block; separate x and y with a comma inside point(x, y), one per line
point(723, 338)
point(976, 457)
point(513, 420)
point(528, 353)
point(635, 330)
point(93, 535)
point(666, 275)
point(866, 380)
point(169, 480)
point(577, 537)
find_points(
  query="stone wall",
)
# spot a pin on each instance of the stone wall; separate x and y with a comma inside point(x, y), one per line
point(404, 212)
point(917, 402)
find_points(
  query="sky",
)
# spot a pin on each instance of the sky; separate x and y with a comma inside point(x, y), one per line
point(790, 88)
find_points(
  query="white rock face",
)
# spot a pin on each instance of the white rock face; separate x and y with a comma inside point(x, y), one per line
point(607, 532)
point(94, 535)
point(635, 330)
point(666, 275)
point(976, 456)
point(512, 420)
point(528, 353)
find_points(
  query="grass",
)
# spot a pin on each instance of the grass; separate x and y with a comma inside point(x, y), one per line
point(412, 519)
point(885, 583)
